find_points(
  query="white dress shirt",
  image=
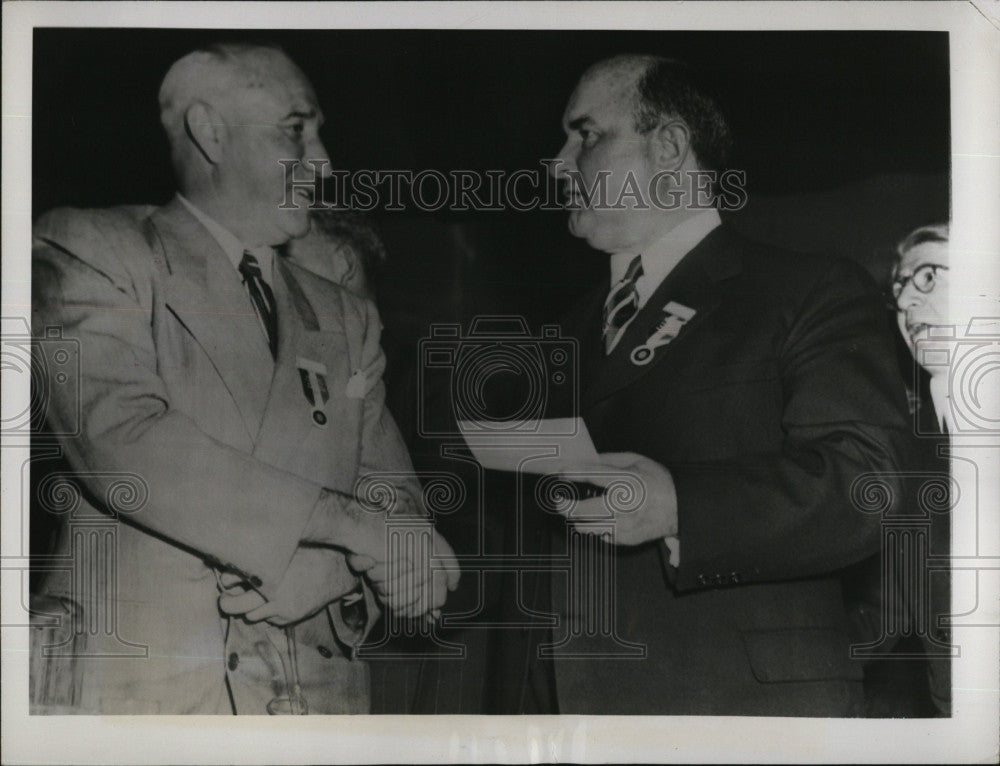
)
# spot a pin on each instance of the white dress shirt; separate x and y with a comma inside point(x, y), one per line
point(234, 249)
point(659, 258)
point(231, 244)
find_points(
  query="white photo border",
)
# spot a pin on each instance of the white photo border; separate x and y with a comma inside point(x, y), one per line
point(971, 735)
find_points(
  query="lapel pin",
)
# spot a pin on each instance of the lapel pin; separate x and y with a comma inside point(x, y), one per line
point(357, 385)
point(664, 331)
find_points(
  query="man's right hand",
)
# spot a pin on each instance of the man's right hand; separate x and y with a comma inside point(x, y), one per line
point(408, 564)
point(415, 573)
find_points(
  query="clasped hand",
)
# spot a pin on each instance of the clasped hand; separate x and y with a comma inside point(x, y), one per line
point(409, 566)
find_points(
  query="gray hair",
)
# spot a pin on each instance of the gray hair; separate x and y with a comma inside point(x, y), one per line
point(211, 74)
point(936, 232)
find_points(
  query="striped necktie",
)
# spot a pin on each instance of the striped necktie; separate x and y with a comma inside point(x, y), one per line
point(621, 305)
point(263, 299)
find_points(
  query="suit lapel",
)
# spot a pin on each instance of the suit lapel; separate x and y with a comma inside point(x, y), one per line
point(586, 324)
point(289, 437)
point(205, 293)
point(692, 283)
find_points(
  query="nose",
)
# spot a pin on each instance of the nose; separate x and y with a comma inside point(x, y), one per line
point(909, 297)
point(563, 162)
point(316, 157)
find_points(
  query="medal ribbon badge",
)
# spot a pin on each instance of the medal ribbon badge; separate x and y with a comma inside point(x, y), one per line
point(313, 376)
point(664, 331)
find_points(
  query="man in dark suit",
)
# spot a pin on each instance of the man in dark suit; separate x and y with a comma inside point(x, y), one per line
point(242, 397)
point(748, 394)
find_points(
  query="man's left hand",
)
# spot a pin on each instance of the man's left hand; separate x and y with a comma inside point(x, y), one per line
point(315, 577)
point(653, 518)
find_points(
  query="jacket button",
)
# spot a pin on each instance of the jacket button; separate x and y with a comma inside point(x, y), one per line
point(234, 661)
point(735, 578)
point(324, 652)
point(256, 582)
point(702, 580)
point(719, 579)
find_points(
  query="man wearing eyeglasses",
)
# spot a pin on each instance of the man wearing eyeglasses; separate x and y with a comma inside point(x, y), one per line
point(243, 395)
point(920, 290)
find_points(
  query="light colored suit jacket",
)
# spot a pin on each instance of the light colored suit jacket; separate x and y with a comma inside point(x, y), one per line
point(176, 400)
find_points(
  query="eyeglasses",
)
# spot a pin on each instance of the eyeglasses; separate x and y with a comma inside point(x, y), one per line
point(923, 279)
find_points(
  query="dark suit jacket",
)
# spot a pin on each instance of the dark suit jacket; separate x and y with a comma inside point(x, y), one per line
point(899, 599)
point(770, 404)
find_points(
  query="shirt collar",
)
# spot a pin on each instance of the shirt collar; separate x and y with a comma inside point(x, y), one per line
point(231, 244)
point(660, 258)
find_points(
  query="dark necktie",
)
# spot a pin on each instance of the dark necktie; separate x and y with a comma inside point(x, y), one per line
point(621, 305)
point(263, 299)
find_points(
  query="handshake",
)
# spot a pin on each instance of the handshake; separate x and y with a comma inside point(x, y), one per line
point(395, 557)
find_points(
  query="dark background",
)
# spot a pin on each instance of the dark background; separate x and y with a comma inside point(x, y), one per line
point(844, 137)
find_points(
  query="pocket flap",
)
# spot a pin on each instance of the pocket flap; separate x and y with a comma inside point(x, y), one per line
point(797, 654)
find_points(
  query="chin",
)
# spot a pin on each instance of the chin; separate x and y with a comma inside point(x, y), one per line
point(296, 225)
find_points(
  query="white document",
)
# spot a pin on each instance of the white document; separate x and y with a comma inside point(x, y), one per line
point(555, 443)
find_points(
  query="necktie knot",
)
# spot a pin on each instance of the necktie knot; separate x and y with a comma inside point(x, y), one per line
point(634, 270)
point(249, 267)
point(263, 299)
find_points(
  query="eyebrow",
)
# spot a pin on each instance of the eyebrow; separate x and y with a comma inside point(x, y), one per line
point(299, 114)
point(579, 122)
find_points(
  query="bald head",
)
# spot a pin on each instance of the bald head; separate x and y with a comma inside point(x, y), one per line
point(219, 75)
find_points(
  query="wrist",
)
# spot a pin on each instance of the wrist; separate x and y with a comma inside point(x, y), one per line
point(333, 521)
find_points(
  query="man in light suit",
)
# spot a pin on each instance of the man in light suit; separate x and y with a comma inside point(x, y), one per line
point(743, 391)
point(240, 397)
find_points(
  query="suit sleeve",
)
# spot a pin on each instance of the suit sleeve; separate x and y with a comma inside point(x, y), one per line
point(387, 483)
point(93, 281)
point(814, 505)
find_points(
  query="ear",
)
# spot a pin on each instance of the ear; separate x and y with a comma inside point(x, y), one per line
point(205, 127)
point(671, 144)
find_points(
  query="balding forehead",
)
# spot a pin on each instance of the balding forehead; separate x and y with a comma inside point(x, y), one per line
point(213, 76)
point(619, 72)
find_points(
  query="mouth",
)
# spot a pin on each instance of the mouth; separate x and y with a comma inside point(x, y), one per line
point(302, 199)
